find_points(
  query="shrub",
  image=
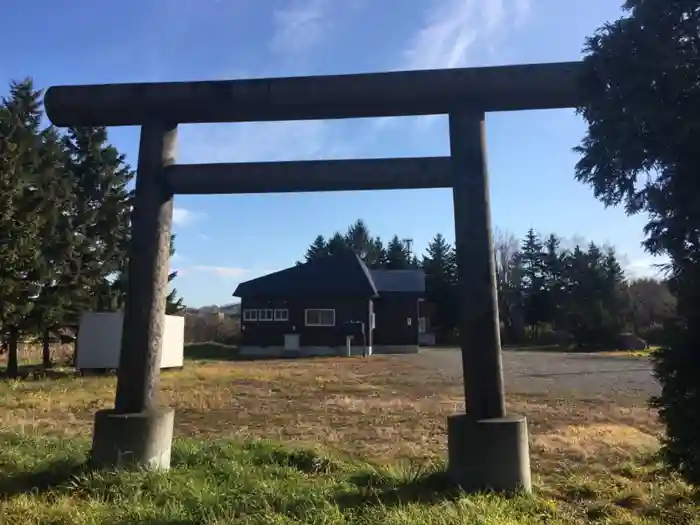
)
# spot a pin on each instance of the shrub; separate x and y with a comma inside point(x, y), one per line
point(677, 368)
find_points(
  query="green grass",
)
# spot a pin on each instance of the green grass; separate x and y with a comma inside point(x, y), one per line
point(43, 480)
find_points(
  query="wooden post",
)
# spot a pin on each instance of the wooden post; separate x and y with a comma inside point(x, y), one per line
point(479, 329)
point(144, 314)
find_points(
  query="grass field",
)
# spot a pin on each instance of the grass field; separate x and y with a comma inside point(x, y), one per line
point(346, 441)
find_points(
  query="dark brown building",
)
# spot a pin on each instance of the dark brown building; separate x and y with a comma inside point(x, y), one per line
point(312, 309)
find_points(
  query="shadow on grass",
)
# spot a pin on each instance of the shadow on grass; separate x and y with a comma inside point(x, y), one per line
point(374, 488)
point(306, 461)
point(51, 476)
point(221, 352)
point(210, 352)
point(39, 373)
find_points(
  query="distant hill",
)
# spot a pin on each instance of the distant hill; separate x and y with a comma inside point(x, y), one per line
point(232, 310)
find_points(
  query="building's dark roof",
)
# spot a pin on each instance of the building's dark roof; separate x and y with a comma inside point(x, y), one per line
point(341, 275)
point(399, 280)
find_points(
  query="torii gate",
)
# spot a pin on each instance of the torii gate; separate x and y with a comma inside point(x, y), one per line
point(487, 449)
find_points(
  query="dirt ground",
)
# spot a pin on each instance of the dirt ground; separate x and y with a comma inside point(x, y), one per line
point(574, 374)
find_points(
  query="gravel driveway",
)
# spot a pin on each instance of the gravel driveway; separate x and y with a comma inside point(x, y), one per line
point(580, 375)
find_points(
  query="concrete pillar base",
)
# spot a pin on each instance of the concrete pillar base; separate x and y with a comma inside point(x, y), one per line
point(489, 454)
point(141, 440)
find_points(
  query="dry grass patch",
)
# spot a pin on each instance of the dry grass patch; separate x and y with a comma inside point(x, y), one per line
point(385, 407)
point(589, 455)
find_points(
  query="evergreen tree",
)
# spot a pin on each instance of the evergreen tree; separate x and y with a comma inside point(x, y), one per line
point(594, 307)
point(553, 280)
point(23, 166)
point(101, 219)
point(533, 273)
point(318, 248)
point(377, 257)
point(54, 201)
point(173, 304)
point(337, 244)
point(440, 278)
point(398, 256)
point(640, 92)
point(358, 239)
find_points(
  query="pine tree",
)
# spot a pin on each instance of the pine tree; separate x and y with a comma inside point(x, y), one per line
point(594, 308)
point(23, 163)
point(440, 275)
point(318, 248)
point(377, 256)
point(532, 263)
point(54, 201)
point(398, 256)
point(337, 244)
point(173, 304)
point(553, 280)
point(101, 218)
point(358, 239)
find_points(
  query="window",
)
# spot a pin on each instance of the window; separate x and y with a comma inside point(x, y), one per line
point(250, 315)
point(265, 315)
point(320, 317)
point(422, 325)
point(281, 314)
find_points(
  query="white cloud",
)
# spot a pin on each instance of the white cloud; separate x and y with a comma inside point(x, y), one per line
point(299, 26)
point(185, 217)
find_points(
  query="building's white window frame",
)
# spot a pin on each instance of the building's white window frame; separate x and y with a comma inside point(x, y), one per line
point(250, 315)
point(265, 315)
point(281, 315)
point(306, 316)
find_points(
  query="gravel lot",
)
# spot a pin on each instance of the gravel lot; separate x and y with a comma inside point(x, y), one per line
point(580, 375)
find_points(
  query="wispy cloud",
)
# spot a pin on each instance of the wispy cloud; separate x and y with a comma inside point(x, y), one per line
point(453, 31)
point(458, 33)
point(263, 141)
point(223, 271)
point(299, 26)
point(185, 217)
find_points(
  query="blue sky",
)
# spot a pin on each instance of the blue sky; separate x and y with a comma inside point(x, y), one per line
point(223, 240)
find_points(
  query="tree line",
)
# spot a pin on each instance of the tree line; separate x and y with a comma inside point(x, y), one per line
point(547, 294)
point(65, 206)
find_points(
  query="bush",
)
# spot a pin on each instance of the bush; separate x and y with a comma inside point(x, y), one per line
point(677, 368)
point(655, 335)
point(212, 328)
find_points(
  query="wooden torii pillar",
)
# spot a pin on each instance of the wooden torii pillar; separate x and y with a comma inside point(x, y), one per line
point(487, 448)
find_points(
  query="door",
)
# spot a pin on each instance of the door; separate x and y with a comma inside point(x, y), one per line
point(291, 341)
